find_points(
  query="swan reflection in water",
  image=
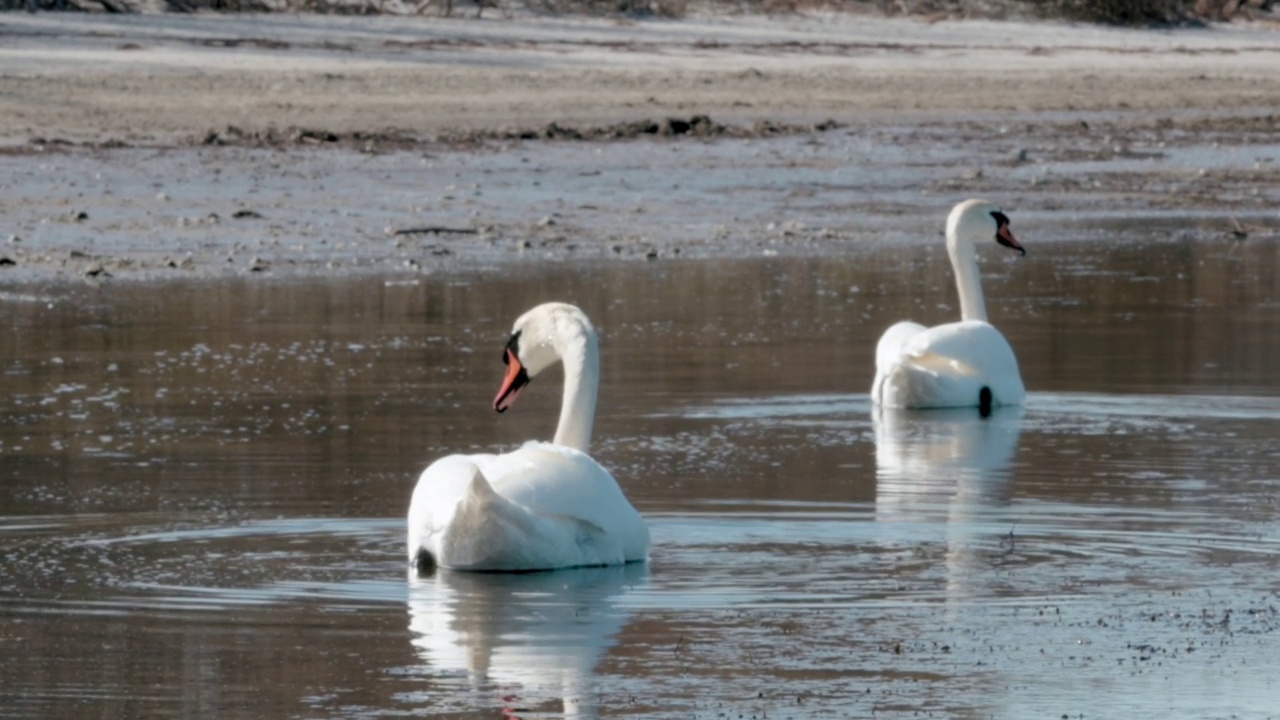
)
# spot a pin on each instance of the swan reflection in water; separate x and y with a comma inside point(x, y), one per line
point(520, 642)
point(951, 467)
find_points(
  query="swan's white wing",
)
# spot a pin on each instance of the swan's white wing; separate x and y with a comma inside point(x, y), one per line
point(558, 481)
point(947, 366)
point(973, 343)
point(542, 506)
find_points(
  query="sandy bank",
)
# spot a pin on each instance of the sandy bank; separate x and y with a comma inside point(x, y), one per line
point(120, 159)
point(165, 79)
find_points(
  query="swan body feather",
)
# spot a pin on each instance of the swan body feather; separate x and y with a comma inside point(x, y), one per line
point(945, 366)
point(539, 507)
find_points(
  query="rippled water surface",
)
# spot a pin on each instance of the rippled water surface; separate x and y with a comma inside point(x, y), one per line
point(202, 493)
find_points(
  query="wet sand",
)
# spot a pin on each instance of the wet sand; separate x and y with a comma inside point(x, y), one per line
point(155, 145)
point(172, 78)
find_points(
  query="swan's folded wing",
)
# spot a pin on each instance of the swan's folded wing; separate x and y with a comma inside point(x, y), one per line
point(554, 480)
point(937, 364)
point(948, 366)
point(967, 348)
point(894, 342)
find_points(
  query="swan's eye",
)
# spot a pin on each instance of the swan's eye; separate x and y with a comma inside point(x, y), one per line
point(513, 347)
point(1001, 219)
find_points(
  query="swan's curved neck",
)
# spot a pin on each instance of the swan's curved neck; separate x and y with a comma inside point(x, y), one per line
point(968, 284)
point(581, 357)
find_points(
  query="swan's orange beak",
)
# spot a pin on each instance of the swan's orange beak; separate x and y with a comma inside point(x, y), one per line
point(1005, 237)
point(512, 384)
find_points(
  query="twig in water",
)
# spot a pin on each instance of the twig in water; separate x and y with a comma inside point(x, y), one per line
point(1010, 539)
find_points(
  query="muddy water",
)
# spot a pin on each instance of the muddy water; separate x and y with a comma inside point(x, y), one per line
point(203, 485)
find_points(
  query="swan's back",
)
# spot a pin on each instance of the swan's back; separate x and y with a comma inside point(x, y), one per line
point(963, 364)
point(540, 507)
point(558, 481)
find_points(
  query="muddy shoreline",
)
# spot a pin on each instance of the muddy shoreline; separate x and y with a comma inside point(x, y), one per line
point(202, 146)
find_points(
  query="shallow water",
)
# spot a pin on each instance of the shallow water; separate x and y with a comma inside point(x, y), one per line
point(203, 488)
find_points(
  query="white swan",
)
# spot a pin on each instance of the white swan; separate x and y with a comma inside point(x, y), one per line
point(545, 505)
point(961, 364)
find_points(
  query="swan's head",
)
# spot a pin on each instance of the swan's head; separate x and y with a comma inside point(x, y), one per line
point(974, 221)
point(538, 340)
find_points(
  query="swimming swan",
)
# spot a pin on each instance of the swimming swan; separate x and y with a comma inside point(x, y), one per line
point(961, 364)
point(545, 505)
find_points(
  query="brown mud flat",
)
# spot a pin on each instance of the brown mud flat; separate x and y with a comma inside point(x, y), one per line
point(271, 144)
